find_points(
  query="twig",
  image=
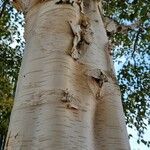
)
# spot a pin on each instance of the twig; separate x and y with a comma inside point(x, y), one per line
point(136, 41)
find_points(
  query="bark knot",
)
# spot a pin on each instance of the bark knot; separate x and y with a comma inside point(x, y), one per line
point(71, 102)
point(96, 79)
point(98, 75)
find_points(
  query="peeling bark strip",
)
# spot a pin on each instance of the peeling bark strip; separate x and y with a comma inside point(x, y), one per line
point(71, 101)
point(76, 29)
point(109, 48)
point(62, 104)
point(83, 35)
point(80, 3)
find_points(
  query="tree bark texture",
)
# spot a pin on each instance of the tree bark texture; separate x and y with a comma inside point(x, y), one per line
point(67, 97)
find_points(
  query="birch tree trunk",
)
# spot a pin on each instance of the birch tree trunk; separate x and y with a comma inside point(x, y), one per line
point(67, 97)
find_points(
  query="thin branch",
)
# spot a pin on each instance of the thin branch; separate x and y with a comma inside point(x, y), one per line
point(136, 41)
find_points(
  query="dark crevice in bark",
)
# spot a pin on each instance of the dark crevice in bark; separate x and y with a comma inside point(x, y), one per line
point(71, 2)
point(99, 77)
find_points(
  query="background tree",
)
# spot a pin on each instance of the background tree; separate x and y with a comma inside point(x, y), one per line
point(131, 50)
point(11, 45)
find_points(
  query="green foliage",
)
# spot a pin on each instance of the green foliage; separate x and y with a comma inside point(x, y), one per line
point(132, 54)
point(11, 45)
point(5, 110)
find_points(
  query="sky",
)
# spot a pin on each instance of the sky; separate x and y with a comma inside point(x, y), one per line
point(133, 140)
point(133, 143)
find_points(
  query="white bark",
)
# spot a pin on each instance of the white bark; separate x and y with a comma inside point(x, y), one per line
point(60, 103)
